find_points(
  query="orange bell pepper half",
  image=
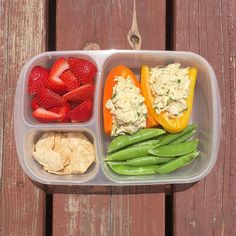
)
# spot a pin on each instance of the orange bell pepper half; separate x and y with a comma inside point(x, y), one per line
point(170, 124)
point(123, 71)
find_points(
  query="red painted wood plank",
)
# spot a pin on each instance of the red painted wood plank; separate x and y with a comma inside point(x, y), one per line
point(106, 210)
point(208, 207)
point(23, 35)
point(107, 23)
point(138, 211)
point(83, 213)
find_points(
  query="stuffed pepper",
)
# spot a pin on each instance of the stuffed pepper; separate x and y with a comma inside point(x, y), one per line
point(124, 107)
point(169, 93)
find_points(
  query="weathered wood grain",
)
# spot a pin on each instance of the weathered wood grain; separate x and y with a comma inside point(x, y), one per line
point(22, 35)
point(137, 211)
point(106, 210)
point(209, 207)
point(107, 23)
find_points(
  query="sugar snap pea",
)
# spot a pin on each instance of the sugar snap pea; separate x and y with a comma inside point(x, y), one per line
point(151, 142)
point(177, 163)
point(129, 153)
point(126, 140)
point(118, 163)
point(148, 160)
point(184, 137)
point(171, 137)
point(133, 170)
point(142, 161)
point(178, 149)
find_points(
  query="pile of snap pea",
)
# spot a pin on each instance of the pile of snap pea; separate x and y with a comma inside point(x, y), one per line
point(152, 151)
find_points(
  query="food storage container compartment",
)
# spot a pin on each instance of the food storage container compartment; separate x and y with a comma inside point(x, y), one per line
point(206, 113)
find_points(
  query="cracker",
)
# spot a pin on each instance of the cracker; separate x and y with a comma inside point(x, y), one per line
point(76, 140)
point(57, 141)
point(82, 158)
point(65, 171)
point(46, 141)
point(63, 154)
point(50, 159)
point(62, 147)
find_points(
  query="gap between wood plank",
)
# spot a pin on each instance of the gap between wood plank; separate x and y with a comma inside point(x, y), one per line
point(169, 24)
point(169, 188)
point(51, 25)
point(48, 218)
point(51, 42)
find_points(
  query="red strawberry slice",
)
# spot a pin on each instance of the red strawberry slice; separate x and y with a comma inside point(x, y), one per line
point(74, 104)
point(55, 109)
point(82, 112)
point(69, 80)
point(82, 69)
point(38, 76)
point(54, 82)
point(43, 115)
point(47, 98)
point(63, 110)
point(34, 103)
point(80, 94)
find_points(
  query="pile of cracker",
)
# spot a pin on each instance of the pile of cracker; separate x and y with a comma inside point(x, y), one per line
point(64, 153)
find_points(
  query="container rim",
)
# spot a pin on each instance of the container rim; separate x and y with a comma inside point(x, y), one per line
point(216, 109)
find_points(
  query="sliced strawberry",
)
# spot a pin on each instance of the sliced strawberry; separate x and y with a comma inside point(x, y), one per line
point(82, 112)
point(34, 103)
point(63, 110)
point(47, 98)
point(74, 104)
point(69, 80)
point(82, 69)
point(43, 115)
point(54, 82)
point(80, 94)
point(55, 109)
point(38, 76)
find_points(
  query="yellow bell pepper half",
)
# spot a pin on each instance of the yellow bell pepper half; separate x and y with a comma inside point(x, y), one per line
point(170, 124)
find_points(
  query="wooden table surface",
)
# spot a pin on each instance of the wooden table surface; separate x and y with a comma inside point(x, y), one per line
point(207, 207)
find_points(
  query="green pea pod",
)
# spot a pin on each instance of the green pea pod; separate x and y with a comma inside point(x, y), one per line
point(126, 140)
point(142, 161)
point(118, 163)
point(151, 142)
point(129, 153)
point(177, 163)
point(184, 137)
point(148, 160)
point(178, 149)
point(133, 170)
point(171, 137)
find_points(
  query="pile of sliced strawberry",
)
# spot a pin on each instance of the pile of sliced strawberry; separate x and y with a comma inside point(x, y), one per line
point(65, 92)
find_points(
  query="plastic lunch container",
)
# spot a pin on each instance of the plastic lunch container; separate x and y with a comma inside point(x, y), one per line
point(206, 113)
